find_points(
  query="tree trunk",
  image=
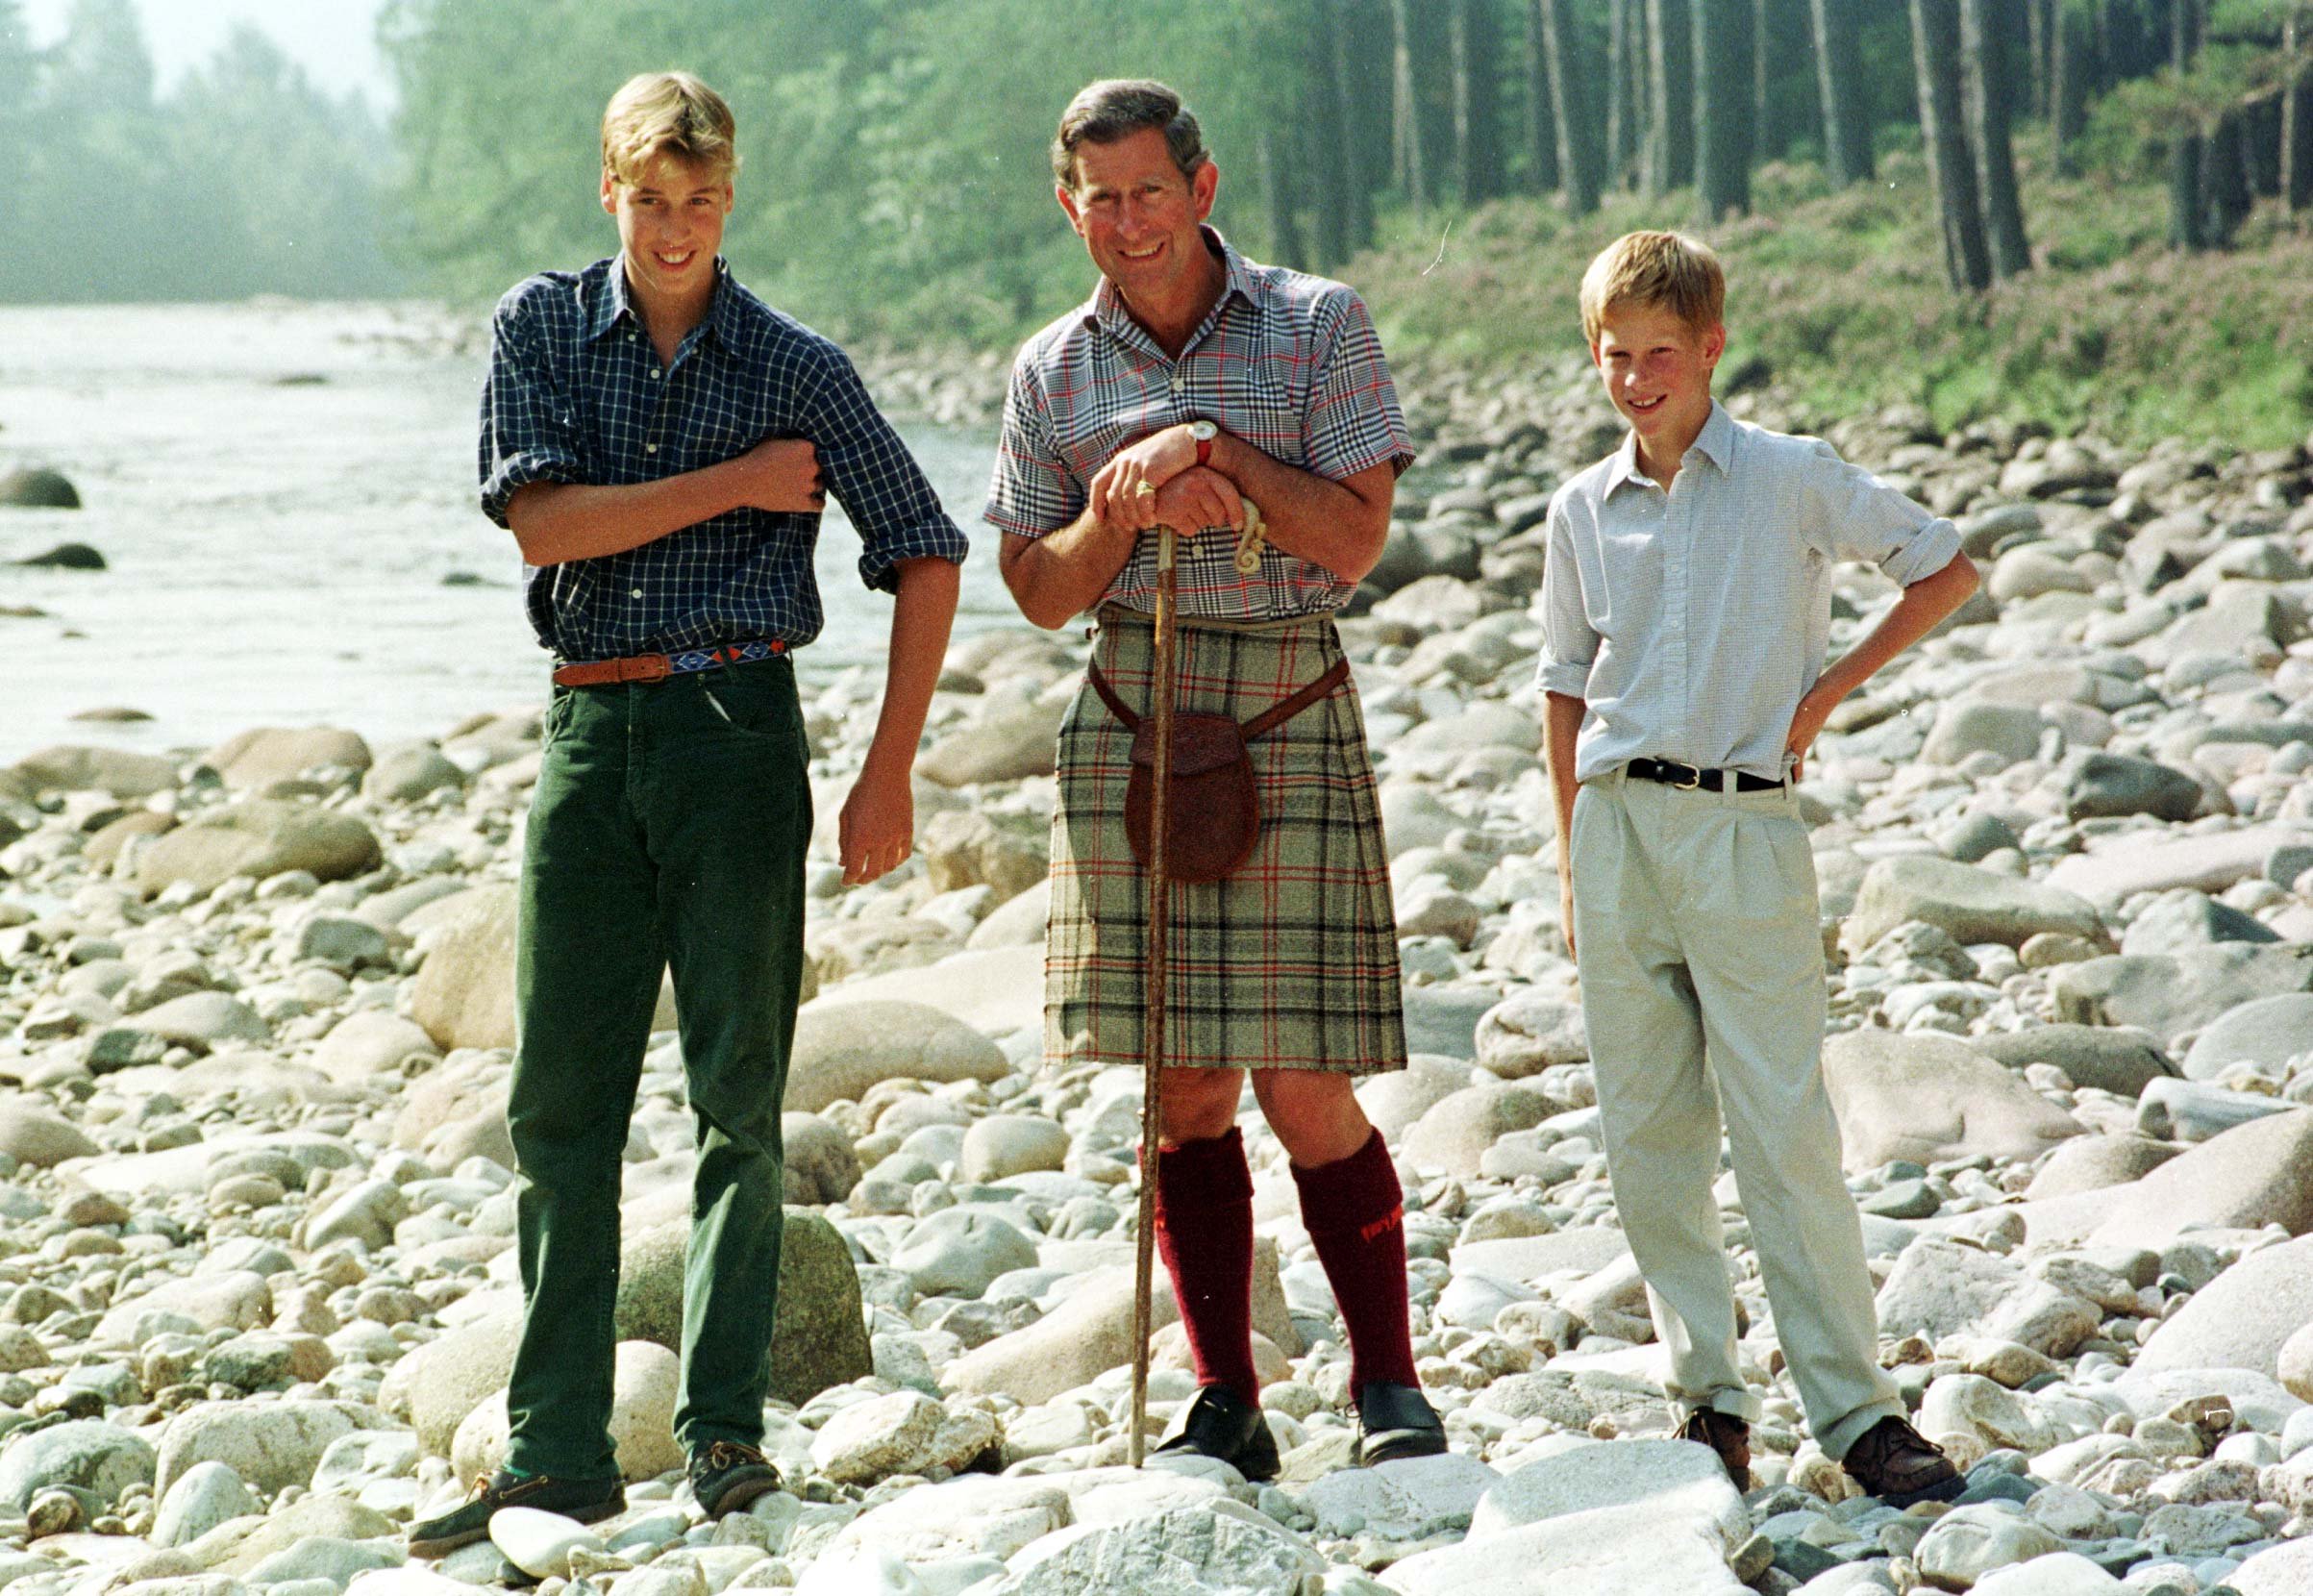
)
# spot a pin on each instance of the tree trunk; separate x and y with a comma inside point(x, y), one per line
point(2188, 209)
point(1327, 153)
point(1477, 101)
point(1847, 134)
point(1670, 97)
point(1986, 98)
point(1580, 156)
point(1541, 103)
point(1359, 173)
point(1936, 64)
point(2261, 144)
point(2225, 181)
point(2068, 87)
point(1408, 168)
point(1277, 203)
point(2039, 26)
point(1625, 91)
point(1767, 133)
point(2296, 110)
point(1723, 52)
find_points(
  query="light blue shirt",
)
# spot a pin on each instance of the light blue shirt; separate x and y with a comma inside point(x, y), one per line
point(1692, 622)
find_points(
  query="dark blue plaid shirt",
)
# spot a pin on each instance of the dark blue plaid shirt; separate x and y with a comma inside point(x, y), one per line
point(576, 394)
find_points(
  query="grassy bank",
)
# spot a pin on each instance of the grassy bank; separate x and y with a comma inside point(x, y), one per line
point(1841, 299)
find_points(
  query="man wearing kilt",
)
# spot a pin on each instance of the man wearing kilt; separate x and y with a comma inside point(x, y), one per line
point(1193, 381)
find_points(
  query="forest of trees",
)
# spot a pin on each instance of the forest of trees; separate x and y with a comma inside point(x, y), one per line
point(896, 177)
point(244, 180)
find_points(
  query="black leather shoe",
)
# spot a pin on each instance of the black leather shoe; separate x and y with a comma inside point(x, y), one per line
point(586, 1501)
point(727, 1476)
point(1397, 1421)
point(1899, 1465)
point(1725, 1435)
point(1222, 1424)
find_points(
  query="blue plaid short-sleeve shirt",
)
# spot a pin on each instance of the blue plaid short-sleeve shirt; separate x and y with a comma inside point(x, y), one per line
point(1287, 361)
point(576, 394)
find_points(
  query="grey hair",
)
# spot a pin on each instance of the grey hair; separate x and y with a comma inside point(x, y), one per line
point(1115, 108)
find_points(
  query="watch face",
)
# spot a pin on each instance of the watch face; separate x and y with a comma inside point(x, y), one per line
point(1203, 430)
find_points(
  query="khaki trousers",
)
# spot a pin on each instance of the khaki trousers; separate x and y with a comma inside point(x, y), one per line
point(1697, 937)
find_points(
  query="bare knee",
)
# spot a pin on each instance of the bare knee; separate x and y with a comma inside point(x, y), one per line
point(1314, 1113)
point(1199, 1104)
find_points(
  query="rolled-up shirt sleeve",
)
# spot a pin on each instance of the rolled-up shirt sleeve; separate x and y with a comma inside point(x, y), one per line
point(1855, 515)
point(872, 475)
point(1032, 492)
point(1569, 642)
point(1353, 422)
point(529, 431)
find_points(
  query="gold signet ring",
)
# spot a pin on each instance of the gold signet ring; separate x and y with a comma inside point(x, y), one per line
point(1146, 491)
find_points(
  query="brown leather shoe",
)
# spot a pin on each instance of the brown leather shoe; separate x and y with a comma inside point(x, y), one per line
point(1899, 1465)
point(1726, 1435)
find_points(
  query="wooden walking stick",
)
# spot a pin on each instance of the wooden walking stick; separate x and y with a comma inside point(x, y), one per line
point(1152, 1024)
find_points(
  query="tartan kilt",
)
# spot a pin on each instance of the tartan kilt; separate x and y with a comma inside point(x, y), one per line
point(1289, 963)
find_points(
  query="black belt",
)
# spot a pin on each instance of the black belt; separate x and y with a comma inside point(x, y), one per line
point(1709, 781)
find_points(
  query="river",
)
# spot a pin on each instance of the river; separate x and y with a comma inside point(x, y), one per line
point(284, 495)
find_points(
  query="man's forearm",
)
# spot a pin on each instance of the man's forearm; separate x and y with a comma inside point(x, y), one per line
point(921, 615)
point(1311, 516)
point(555, 522)
point(1058, 577)
point(1923, 604)
point(1561, 724)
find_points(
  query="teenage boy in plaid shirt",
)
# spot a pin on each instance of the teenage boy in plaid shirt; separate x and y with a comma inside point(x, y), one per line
point(1195, 376)
point(660, 443)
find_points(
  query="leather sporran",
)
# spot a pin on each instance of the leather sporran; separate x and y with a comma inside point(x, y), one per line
point(1213, 818)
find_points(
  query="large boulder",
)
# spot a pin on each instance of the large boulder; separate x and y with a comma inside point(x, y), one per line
point(2172, 994)
point(2209, 862)
point(2254, 1174)
point(371, 1042)
point(992, 989)
point(118, 771)
point(1527, 1031)
point(1214, 1548)
point(2097, 1163)
point(1612, 1551)
point(436, 1386)
point(2265, 1032)
point(818, 1336)
point(464, 992)
point(259, 836)
point(88, 1455)
point(1940, 1289)
point(256, 758)
point(2105, 784)
point(644, 1383)
point(1091, 1333)
point(32, 1134)
point(1453, 1134)
point(2110, 1059)
point(1926, 1098)
point(1009, 745)
point(2241, 1319)
point(843, 1047)
point(1972, 905)
point(271, 1445)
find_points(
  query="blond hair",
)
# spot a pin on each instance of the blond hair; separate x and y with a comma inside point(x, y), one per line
point(1668, 270)
point(667, 113)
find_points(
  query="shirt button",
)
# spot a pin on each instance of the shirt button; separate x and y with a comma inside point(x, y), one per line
point(654, 374)
point(650, 448)
point(636, 594)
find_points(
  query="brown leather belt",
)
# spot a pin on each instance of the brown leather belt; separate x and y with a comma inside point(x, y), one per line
point(658, 667)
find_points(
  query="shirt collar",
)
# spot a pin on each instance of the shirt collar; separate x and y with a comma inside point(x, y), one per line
point(1715, 444)
point(1105, 308)
point(612, 303)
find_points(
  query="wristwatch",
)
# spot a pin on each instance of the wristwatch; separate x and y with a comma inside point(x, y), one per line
point(1204, 432)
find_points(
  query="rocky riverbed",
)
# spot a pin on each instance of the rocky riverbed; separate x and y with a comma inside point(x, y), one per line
point(256, 1281)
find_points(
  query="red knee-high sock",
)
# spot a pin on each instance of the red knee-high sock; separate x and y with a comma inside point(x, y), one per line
point(1204, 1235)
point(1355, 1215)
